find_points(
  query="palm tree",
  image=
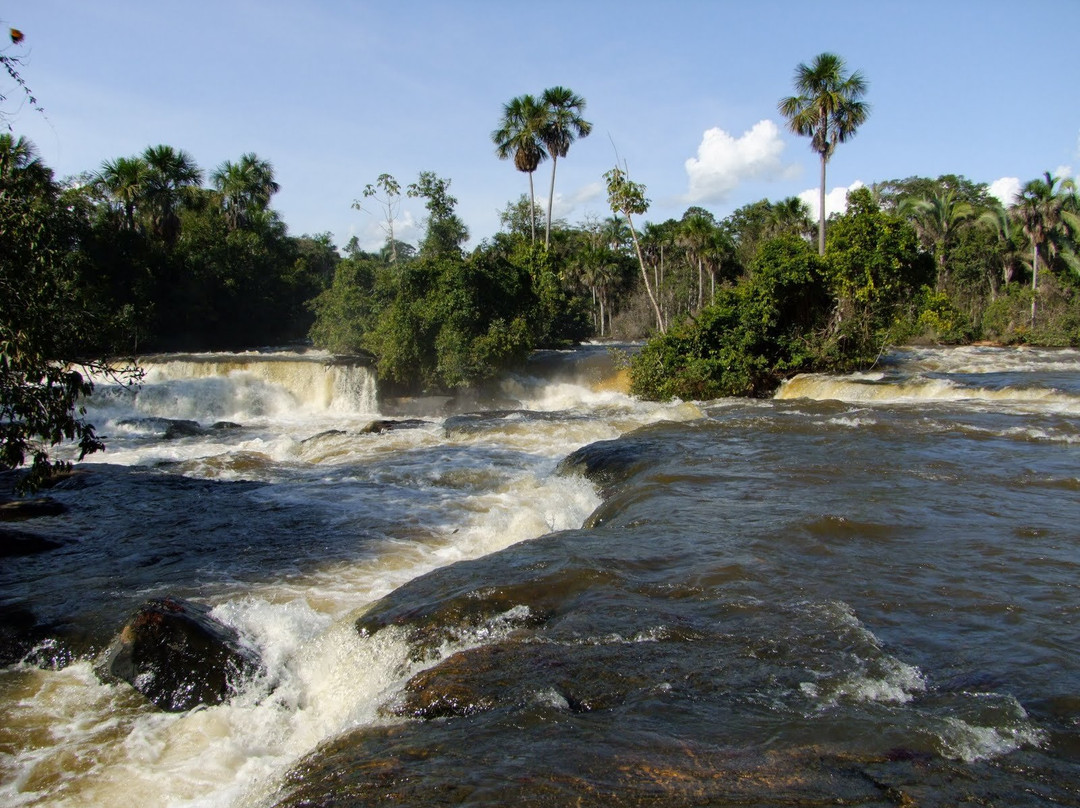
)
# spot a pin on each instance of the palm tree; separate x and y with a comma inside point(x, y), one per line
point(124, 181)
point(245, 187)
point(1041, 208)
point(518, 138)
point(563, 126)
point(694, 235)
point(20, 163)
point(827, 109)
point(937, 221)
point(998, 221)
point(628, 198)
point(171, 174)
point(790, 215)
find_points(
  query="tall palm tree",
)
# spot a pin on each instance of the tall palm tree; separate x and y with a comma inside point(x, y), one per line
point(1041, 208)
point(171, 174)
point(518, 138)
point(828, 110)
point(245, 187)
point(937, 220)
point(124, 181)
point(563, 126)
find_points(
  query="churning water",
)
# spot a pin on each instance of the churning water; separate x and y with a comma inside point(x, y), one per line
point(865, 590)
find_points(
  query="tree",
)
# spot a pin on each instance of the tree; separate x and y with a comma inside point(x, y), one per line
point(562, 125)
point(695, 235)
point(245, 187)
point(628, 198)
point(828, 110)
point(1041, 209)
point(937, 220)
point(445, 230)
point(49, 324)
point(171, 173)
point(519, 137)
point(390, 201)
point(124, 181)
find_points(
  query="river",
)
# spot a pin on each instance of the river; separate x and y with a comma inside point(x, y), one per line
point(865, 590)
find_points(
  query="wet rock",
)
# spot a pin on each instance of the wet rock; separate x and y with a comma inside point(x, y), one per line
point(387, 425)
point(226, 425)
point(610, 463)
point(182, 429)
point(517, 675)
point(19, 543)
point(20, 509)
point(179, 656)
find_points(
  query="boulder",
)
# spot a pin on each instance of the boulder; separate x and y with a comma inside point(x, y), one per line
point(179, 656)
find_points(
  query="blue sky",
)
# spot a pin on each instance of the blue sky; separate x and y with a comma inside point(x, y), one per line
point(334, 93)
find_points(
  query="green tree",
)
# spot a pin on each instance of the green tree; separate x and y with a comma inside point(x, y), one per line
point(827, 109)
point(518, 137)
point(124, 181)
point(49, 325)
point(937, 220)
point(628, 198)
point(246, 187)
point(1041, 208)
point(445, 231)
point(170, 177)
point(563, 124)
point(876, 271)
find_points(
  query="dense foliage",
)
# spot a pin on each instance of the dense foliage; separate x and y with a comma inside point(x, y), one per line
point(150, 252)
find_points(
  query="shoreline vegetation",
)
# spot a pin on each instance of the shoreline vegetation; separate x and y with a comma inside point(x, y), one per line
point(151, 253)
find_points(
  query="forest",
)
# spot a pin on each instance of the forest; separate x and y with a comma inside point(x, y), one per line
point(151, 252)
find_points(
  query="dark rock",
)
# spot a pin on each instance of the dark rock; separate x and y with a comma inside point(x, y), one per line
point(18, 543)
point(610, 463)
point(226, 425)
point(377, 427)
point(178, 656)
point(19, 509)
point(182, 429)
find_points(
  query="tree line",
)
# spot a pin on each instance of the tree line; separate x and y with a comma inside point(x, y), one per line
point(150, 252)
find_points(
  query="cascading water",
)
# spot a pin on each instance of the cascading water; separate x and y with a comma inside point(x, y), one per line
point(864, 590)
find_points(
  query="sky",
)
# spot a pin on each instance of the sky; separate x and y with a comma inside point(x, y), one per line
point(683, 94)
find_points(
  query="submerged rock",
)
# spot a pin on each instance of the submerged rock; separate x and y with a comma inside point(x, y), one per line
point(178, 655)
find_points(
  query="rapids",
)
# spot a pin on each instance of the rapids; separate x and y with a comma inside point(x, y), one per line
point(863, 590)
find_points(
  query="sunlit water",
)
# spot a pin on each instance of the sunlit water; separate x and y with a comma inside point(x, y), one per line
point(863, 590)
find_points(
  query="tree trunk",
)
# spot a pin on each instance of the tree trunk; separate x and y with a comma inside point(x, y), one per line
point(1034, 278)
point(821, 209)
point(551, 198)
point(532, 209)
point(645, 276)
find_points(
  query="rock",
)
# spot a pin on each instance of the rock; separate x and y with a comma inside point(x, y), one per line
point(182, 429)
point(226, 425)
point(19, 509)
point(179, 656)
point(384, 425)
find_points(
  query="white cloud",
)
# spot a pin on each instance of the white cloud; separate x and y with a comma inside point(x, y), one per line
point(1005, 189)
point(723, 162)
point(835, 200)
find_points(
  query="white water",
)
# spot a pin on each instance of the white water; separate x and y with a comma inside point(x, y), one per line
point(101, 745)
